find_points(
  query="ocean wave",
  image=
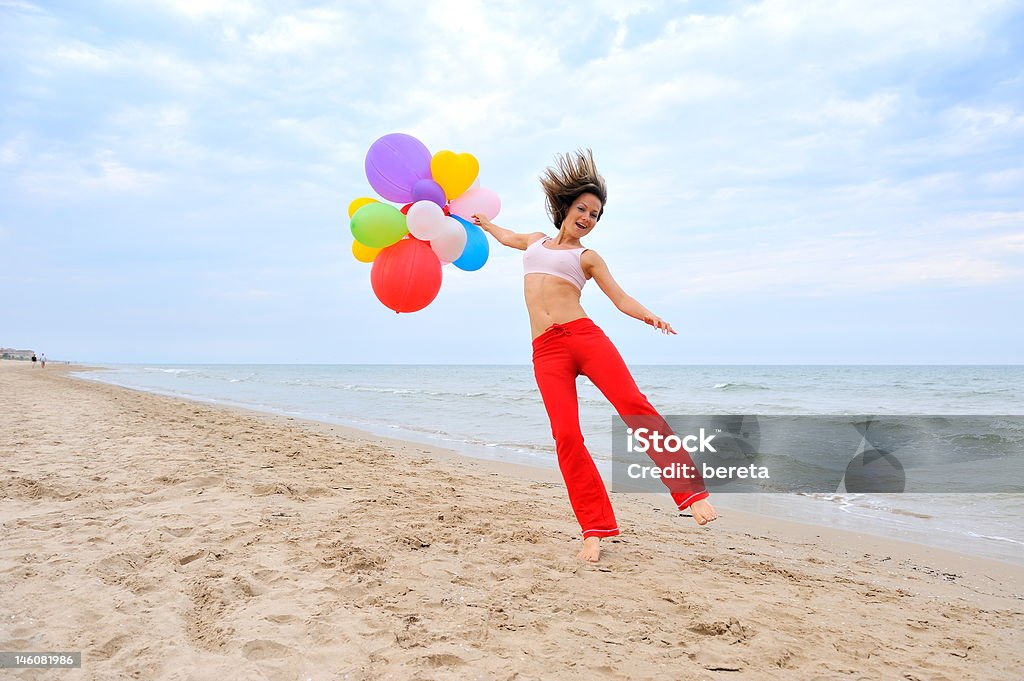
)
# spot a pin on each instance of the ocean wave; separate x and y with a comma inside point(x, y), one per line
point(991, 439)
point(374, 389)
point(834, 497)
point(466, 439)
point(740, 386)
point(516, 446)
point(850, 501)
point(996, 538)
point(424, 392)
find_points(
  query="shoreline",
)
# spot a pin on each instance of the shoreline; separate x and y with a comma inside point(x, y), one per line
point(158, 535)
point(775, 507)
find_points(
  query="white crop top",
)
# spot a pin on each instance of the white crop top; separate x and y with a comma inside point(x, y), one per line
point(562, 262)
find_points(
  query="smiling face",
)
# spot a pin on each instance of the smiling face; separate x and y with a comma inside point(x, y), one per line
point(582, 215)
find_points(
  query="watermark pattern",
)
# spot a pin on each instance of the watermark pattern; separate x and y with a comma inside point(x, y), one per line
point(884, 454)
point(35, 660)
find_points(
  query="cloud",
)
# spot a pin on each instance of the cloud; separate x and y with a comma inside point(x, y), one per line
point(81, 55)
point(19, 5)
point(871, 111)
point(1004, 181)
point(167, 118)
point(60, 177)
point(213, 9)
point(307, 31)
point(985, 120)
point(870, 260)
point(12, 151)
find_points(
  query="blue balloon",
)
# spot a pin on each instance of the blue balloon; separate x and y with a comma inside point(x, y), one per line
point(477, 247)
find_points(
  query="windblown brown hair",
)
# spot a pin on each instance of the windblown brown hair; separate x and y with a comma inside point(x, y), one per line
point(573, 174)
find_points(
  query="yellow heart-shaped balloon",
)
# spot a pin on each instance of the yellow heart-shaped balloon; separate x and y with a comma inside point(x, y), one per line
point(364, 253)
point(359, 203)
point(454, 172)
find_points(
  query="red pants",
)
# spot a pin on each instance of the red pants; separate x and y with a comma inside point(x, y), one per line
point(560, 354)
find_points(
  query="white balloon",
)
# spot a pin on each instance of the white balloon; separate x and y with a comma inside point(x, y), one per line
point(425, 220)
point(448, 245)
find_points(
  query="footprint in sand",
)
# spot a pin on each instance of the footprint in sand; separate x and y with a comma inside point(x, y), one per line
point(264, 650)
point(111, 647)
point(177, 532)
point(442, 660)
point(191, 557)
point(733, 630)
point(439, 569)
point(204, 481)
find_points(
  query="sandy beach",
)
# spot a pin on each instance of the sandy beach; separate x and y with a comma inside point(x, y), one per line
point(167, 539)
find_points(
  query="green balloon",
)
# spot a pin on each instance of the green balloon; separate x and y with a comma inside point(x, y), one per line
point(378, 225)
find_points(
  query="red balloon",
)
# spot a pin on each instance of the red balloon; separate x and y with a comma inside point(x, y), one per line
point(406, 276)
point(405, 208)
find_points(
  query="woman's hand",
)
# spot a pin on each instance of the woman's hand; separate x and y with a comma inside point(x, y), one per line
point(659, 323)
point(483, 221)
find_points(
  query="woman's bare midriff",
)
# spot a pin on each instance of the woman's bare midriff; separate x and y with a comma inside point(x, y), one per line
point(550, 300)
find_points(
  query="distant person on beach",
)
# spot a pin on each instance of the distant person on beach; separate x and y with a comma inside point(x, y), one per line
point(34, 359)
point(566, 344)
point(42, 361)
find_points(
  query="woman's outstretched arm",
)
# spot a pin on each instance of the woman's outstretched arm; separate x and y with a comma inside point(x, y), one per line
point(506, 237)
point(597, 268)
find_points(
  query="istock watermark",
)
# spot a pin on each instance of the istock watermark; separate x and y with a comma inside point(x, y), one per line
point(643, 439)
point(819, 454)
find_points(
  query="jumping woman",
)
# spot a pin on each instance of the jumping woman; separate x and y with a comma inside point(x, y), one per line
point(566, 343)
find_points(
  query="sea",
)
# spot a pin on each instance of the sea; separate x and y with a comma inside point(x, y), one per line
point(495, 412)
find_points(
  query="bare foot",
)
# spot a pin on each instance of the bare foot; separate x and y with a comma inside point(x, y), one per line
point(591, 551)
point(703, 512)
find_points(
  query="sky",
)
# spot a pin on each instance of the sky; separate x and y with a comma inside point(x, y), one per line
point(790, 182)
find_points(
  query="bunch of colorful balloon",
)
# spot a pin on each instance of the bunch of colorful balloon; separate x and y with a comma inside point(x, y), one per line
point(434, 227)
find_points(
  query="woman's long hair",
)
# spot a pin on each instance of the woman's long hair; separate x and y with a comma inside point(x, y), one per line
point(573, 174)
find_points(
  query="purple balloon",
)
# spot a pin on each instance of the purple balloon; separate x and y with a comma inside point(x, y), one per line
point(394, 164)
point(428, 190)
